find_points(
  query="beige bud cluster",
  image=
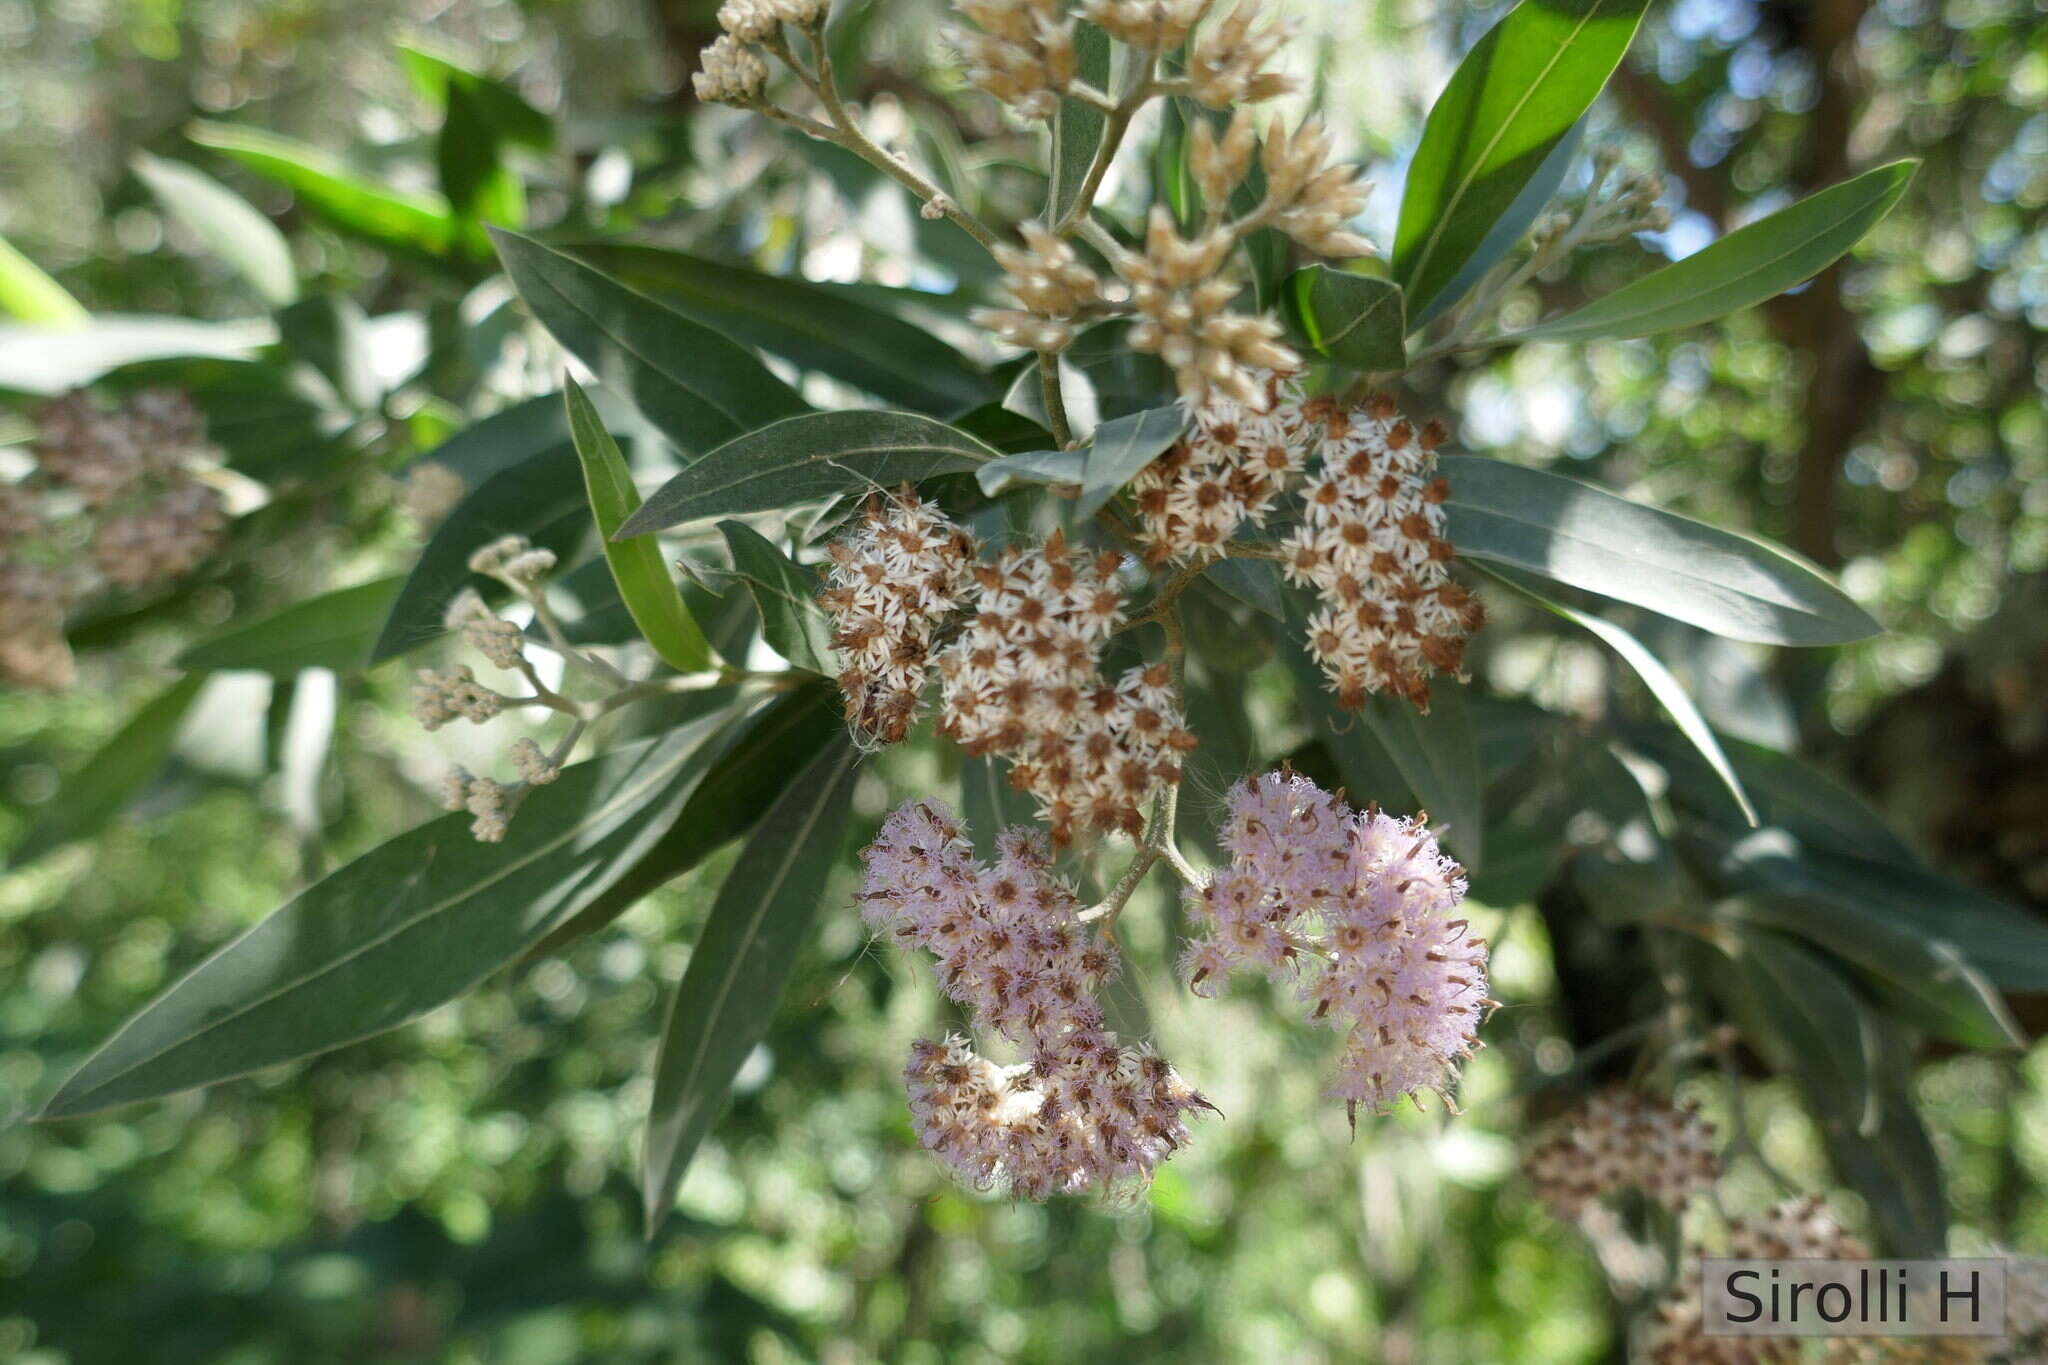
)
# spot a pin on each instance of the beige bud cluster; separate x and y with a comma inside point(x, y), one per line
point(429, 491)
point(1021, 681)
point(1148, 25)
point(1051, 285)
point(1229, 62)
point(1181, 289)
point(902, 569)
point(731, 69)
point(1225, 471)
point(1082, 1110)
point(1796, 1229)
point(1372, 545)
point(440, 696)
point(1309, 196)
point(1621, 1138)
point(1020, 52)
point(489, 634)
point(482, 798)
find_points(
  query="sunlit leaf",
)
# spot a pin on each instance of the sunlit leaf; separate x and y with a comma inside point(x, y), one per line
point(334, 630)
point(1355, 320)
point(30, 296)
point(230, 226)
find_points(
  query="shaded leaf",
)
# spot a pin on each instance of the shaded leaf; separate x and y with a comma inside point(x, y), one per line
point(740, 963)
point(636, 563)
point(479, 185)
point(792, 622)
point(503, 109)
point(112, 777)
point(230, 226)
point(1749, 265)
point(819, 328)
point(1046, 467)
point(1438, 757)
point(1574, 533)
point(407, 926)
point(1077, 127)
point(696, 387)
point(1121, 447)
point(334, 630)
point(817, 455)
point(1801, 1016)
point(1512, 100)
point(1355, 320)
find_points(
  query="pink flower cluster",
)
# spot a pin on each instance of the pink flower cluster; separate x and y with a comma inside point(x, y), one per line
point(1081, 1109)
point(1356, 907)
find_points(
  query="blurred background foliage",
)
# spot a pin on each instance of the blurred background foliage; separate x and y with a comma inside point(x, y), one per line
point(460, 1190)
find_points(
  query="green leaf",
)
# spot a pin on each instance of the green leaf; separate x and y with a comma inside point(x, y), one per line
point(1121, 447)
point(1928, 981)
point(475, 178)
point(1893, 1165)
point(802, 459)
point(542, 499)
point(411, 224)
point(644, 583)
point(1669, 692)
point(740, 963)
point(696, 387)
point(1355, 320)
point(1746, 267)
point(1801, 1016)
point(1509, 229)
point(990, 803)
point(409, 925)
point(43, 358)
point(1573, 533)
point(331, 333)
point(230, 226)
point(1077, 127)
point(31, 296)
point(112, 777)
point(1510, 102)
point(333, 630)
point(818, 328)
point(1044, 467)
point(791, 621)
point(751, 768)
point(505, 111)
point(1438, 757)
point(508, 437)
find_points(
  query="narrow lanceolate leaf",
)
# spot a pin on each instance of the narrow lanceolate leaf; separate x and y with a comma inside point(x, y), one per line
point(508, 437)
point(229, 225)
point(990, 802)
point(112, 777)
point(792, 622)
point(1803, 1018)
point(753, 762)
point(1509, 229)
point(1926, 980)
point(504, 109)
point(49, 358)
point(1573, 533)
point(542, 499)
point(1746, 267)
point(819, 328)
point(1438, 757)
point(28, 295)
point(479, 185)
point(334, 630)
point(697, 387)
point(419, 225)
point(1045, 467)
point(1121, 447)
point(740, 963)
point(1077, 127)
point(1355, 320)
point(636, 563)
point(1510, 102)
point(407, 926)
point(1668, 691)
point(801, 459)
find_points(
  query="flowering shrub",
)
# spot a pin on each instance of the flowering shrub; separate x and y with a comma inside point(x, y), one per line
point(1145, 534)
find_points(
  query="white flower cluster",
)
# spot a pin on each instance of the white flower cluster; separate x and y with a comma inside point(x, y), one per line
point(1234, 459)
point(895, 575)
point(489, 634)
point(443, 695)
point(1796, 1229)
point(1621, 1138)
point(1372, 545)
point(488, 801)
point(1082, 1109)
point(1022, 681)
point(1356, 907)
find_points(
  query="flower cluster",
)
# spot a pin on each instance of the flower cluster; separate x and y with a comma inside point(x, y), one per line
point(429, 492)
point(148, 519)
point(895, 575)
point(1081, 1109)
point(1181, 288)
point(1357, 908)
point(1020, 52)
point(731, 70)
point(1022, 681)
point(1225, 471)
point(1797, 1229)
point(1372, 545)
point(1051, 286)
point(1621, 1138)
